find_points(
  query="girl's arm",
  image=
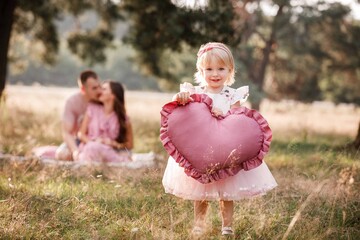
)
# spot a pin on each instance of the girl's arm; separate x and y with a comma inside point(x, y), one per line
point(82, 134)
point(183, 97)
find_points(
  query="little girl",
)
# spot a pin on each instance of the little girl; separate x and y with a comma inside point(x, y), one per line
point(215, 73)
point(106, 130)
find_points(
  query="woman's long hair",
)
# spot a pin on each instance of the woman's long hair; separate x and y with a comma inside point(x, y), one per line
point(119, 108)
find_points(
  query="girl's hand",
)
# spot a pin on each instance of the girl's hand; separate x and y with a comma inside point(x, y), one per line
point(216, 112)
point(183, 98)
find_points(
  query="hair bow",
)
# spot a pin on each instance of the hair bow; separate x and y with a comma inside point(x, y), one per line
point(203, 50)
point(212, 45)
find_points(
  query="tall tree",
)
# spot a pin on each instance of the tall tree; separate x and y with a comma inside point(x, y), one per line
point(259, 39)
point(320, 57)
point(6, 21)
point(37, 18)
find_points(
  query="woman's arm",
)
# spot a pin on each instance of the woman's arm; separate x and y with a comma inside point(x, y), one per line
point(129, 144)
point(82, 134)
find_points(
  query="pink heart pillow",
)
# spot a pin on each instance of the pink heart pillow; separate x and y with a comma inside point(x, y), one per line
point(211, 148)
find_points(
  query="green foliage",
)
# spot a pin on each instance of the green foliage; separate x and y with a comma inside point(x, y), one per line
point(150, 34)
point(320, 59)
point(90, 46)
point(342, 86)
point(300, 51)
point(36, 19)
point(159, 28)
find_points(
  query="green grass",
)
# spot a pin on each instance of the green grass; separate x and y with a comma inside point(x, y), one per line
point(43, 202)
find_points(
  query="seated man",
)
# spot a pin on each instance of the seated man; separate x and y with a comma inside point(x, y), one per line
point(74, 110)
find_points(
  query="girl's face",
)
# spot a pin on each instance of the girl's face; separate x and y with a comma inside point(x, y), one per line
point(106, 93)
point(215, 73)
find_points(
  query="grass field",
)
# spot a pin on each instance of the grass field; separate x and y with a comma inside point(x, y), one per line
point(318, 195)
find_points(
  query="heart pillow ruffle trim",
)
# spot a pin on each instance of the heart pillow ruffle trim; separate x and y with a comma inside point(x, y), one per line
point(227, 171)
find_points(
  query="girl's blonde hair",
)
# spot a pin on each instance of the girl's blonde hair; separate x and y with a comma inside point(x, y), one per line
point(219, 52)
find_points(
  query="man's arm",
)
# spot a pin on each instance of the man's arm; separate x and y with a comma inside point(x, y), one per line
point(69, 139)
point(67, 127)
point(82, 134)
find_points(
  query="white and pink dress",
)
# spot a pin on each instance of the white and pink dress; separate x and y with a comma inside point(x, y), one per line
point(244, 184)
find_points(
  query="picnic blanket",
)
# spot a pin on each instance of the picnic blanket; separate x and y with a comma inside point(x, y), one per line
point(46, 155)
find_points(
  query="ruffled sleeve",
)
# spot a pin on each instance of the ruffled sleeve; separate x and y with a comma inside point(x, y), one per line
point(240, 95)
point(187, 87)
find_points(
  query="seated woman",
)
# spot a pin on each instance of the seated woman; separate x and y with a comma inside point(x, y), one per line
point(106, 132)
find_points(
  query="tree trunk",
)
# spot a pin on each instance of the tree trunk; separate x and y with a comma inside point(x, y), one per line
point(357, 139)
point(7, 8)
point(257, 72)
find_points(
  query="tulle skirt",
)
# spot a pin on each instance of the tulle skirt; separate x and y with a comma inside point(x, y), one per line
point(244, 184)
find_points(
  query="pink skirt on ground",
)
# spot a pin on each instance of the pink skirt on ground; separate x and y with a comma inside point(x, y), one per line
point(244, 184)
point(98, 152)
point(45, 151)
